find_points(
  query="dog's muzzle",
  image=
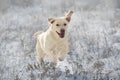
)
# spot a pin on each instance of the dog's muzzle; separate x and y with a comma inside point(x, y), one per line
point(62, 33)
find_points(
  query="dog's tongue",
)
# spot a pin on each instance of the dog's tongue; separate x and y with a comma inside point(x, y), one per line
point(62, 35)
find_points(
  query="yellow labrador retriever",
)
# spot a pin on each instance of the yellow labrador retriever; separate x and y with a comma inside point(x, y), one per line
point(54, 42)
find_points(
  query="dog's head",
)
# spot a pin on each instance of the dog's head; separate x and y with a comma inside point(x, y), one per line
point(59, 25)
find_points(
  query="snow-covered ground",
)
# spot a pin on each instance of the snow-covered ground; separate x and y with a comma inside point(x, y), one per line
point(94, 36)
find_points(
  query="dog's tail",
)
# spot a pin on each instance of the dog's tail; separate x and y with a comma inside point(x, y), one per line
point(37, 33)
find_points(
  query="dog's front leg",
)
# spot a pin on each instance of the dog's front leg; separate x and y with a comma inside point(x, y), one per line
point(63, 53)
point(54, 57)
point(62, 56)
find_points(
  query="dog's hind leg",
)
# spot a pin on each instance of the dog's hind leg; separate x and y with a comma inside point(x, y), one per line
point(40, 53)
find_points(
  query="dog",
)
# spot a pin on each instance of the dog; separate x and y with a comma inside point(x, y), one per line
point(54, 41)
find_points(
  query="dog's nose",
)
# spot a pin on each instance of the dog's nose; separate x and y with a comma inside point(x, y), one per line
point(62, 30)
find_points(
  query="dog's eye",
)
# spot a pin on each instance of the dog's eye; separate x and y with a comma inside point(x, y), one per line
point(57, 24)
point(65, 24)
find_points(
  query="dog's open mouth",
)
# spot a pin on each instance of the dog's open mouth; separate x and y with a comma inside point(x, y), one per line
point(61, 35)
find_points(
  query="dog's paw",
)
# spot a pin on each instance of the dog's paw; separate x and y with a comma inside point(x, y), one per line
point(61, 59)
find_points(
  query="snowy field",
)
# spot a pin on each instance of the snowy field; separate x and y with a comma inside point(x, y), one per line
point(94, 36)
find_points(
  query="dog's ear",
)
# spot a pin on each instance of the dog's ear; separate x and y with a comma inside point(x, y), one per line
point(51, 20)
point(68, 16)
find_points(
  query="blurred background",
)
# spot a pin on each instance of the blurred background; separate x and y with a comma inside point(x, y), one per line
point(60, 4)
point(94, 36)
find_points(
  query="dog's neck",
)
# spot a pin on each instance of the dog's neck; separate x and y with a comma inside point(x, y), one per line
point(55, 36)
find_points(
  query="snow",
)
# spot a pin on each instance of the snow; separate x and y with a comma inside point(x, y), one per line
point(94, 36)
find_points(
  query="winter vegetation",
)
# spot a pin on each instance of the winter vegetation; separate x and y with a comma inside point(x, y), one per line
point(94, 36)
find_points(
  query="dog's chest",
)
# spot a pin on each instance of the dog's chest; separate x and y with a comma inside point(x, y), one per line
point(54, 45)
point(58, 46)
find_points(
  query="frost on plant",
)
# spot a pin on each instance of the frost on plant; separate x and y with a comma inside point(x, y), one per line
point(94, 36)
